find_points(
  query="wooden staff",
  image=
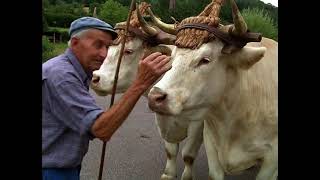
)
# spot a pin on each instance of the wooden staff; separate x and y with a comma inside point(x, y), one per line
point(132, 8)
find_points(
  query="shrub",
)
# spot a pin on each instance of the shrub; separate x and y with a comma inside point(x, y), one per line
point(113, 12)
point(260, 21)
point(60, 19)
point(46, 44)
point(64, 32)
point(44, 24)
point(50, 50)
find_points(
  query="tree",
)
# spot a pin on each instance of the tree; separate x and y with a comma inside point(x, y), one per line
point(44, 24)
point(113, 12)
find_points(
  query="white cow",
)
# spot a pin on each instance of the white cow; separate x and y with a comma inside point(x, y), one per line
point(135, 49)
point(233, 89)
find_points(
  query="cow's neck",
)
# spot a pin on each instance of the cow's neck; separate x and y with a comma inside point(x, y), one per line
point(231, 121)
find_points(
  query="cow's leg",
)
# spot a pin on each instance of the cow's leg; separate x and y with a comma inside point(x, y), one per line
point(215, 169)
point(170, 171)
point(191, 147)
point(269, 167)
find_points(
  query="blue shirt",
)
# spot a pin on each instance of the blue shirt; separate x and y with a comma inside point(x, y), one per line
point(68, 112)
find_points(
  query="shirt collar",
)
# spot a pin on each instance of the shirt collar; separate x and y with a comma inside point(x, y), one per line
point(85, 77)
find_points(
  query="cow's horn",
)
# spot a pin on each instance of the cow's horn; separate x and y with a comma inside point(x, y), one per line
point(161, 48)
point(145, 26)
point(240, 26)
point(168, 28)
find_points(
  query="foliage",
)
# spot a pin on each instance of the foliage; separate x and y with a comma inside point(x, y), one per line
point(62, 15)
point(64, 32)
point(258, 20)
point(60, 19)
point(226, 12)
point(45, 3)
point(113, 12)
point(44, 24)
point(46, 45)
point(50, 50)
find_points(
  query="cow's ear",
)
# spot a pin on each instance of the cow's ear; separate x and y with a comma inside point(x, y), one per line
point(246, 57)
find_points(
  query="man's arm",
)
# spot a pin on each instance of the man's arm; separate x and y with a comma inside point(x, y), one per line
point(150, 69)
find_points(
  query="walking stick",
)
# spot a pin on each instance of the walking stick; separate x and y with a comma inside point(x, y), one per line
point(132, 7)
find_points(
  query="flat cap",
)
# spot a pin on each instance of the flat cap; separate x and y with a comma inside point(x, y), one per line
point(91, 22)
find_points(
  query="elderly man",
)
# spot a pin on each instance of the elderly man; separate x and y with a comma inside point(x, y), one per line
point(70, 116)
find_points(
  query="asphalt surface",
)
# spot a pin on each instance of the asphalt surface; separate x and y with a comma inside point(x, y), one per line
point(136, 151)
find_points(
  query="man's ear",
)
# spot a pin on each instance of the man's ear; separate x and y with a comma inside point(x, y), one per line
point(74, 41)
point(246, 57)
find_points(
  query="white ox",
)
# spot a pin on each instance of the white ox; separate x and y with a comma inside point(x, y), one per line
point(135, 49)
point(233, 93)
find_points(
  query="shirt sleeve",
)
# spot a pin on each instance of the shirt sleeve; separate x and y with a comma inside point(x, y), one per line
point(76, 108)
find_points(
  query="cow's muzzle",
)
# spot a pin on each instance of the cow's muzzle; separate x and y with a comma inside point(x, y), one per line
point(158, 101)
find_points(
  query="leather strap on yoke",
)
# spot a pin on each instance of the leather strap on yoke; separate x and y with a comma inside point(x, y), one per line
point(237, 41)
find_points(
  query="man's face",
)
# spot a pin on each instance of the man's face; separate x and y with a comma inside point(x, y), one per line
point(92, 48)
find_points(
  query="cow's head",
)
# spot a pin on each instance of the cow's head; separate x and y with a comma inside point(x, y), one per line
point(205, 67)
point(142, 39)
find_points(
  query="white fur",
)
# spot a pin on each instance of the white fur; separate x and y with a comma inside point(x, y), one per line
point(127, 73)
point(235, 95)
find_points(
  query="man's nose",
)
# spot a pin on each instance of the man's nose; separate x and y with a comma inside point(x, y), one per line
point(157, 99)
point(104, 52)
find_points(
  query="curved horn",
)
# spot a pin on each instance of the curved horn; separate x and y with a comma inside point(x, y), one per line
point(168, 28)
point(145, 26)
point(161, 48)
point(240, 26)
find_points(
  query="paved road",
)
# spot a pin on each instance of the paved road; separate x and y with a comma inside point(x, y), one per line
point(136, 151)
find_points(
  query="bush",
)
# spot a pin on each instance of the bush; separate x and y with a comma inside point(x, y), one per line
point(60, 19)
point(44, 24)
point(46, 44)
point(113, 12)
point(50, 50)
point(64, 32)
point(260, 21)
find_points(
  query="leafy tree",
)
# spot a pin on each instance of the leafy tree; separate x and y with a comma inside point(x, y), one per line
point(45, 4)
point(62, 15)
point(44, 24)
point(113, 12)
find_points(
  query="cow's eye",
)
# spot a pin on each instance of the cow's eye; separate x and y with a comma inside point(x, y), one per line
point(204, 61)
point(128, 51)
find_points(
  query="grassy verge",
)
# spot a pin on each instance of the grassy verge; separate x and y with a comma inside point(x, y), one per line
point(57, 48)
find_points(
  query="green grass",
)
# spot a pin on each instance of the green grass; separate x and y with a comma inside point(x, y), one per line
point(58, 48)
point(258, 20)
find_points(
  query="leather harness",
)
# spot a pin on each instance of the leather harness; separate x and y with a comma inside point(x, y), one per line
point(226, 37)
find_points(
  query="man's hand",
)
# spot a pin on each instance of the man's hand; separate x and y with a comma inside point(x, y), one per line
point(151, 68)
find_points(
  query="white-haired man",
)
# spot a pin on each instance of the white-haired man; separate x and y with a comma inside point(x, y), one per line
point(70, 116)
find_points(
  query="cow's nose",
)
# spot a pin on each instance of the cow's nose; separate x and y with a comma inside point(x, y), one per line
point(156, 98)
point(95, 79)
